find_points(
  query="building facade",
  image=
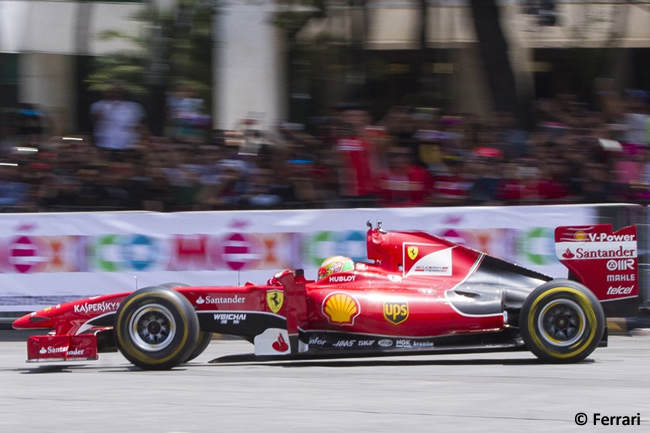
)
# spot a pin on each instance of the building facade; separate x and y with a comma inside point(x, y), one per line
point(256, 74)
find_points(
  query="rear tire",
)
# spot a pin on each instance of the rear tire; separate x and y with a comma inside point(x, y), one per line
point(156, 328)
point(562, 321)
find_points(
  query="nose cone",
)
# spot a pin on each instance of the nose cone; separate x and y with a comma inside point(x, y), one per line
point(33, 321)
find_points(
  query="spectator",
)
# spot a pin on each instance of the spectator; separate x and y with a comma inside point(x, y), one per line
point(34, 125)
point(14, 191)
point(635, 121)
point(452, 187)
point(405, 183)
point(360, 159)
point(118, 123)
point(596, 187)
point(189, 123)
point(264, 192)
point(487, 177)
point(519, 184)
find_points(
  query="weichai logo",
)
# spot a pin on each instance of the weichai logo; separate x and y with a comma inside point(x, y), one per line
point(396, 312)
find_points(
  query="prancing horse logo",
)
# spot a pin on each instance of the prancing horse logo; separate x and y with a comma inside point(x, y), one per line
point(274, 299)
point(412, 252)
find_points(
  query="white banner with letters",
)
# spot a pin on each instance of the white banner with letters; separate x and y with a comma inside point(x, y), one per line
point(51, 258)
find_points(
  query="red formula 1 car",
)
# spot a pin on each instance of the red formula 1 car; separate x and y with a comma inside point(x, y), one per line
point(419, 294)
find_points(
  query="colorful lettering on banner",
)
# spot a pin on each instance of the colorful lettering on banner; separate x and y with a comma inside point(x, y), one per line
point(25, 254)
point(80, 252)
point(106, 253)
point(141, 252)
point(324, 244)
point(238, 251)
point(115, 253)
point(189, 252)
point(536, 246)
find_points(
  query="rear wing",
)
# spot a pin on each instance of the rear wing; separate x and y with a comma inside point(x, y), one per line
point(604, 261)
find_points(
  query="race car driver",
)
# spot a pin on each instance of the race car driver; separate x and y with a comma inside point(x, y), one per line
point(335, 264)
point(328, 267)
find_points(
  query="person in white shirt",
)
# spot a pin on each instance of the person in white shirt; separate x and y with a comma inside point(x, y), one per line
point(117, 122)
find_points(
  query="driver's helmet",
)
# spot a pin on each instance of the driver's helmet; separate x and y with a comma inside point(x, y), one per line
point(335, 264)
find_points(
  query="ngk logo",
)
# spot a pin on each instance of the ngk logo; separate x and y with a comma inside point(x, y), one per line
point(620, 265)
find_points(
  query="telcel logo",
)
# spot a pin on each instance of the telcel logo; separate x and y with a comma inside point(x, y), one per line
point(620, 290)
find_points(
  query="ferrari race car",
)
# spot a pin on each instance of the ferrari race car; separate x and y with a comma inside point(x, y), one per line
point(418, 294)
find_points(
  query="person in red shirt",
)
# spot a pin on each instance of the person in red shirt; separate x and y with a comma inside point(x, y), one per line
point(405, 183)
point(519, 185)
point(360, 169)
point(452, 187)
point(525, 183)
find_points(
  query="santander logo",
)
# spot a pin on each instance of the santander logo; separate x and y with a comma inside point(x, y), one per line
point(280, 345)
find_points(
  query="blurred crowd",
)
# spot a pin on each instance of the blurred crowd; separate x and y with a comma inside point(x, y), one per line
point(572, 152)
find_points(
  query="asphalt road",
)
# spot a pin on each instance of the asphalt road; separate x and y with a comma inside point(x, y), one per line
point(498, 392)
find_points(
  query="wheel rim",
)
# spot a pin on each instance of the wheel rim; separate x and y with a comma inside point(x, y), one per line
point(562, 322)
point(152, 327)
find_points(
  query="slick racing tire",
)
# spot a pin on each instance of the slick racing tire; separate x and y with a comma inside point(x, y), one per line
point(156, 328)
point(562, 321)
point(205, 337)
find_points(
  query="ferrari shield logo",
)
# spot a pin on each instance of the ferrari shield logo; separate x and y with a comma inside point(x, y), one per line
point(396, 312)
point(274, 299)
point(412, 252)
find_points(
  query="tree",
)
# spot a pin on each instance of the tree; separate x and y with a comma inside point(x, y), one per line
point(175, 49)
point(493, 48)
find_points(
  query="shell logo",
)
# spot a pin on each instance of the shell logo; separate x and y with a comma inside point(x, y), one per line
point(580, 236)
point(341, 308)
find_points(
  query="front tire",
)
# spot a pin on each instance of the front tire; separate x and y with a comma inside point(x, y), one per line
point(204, 340)
point(156, 328)
point(562, 321)
point(205, 337)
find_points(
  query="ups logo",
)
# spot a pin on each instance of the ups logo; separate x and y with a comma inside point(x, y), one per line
point(396, 312)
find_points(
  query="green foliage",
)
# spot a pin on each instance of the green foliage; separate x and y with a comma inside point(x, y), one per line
point(295, 15)
point(182, 39)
